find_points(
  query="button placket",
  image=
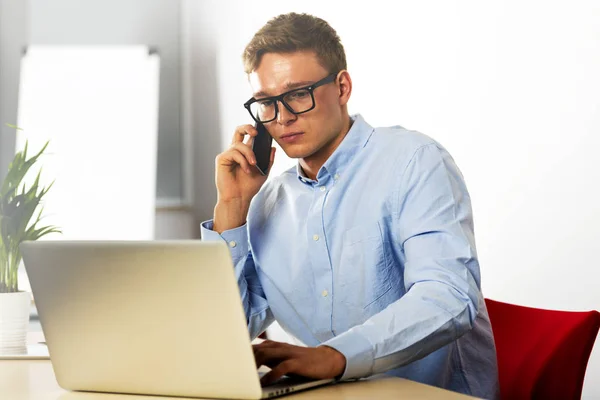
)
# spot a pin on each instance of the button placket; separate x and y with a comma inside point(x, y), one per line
point(320, 262)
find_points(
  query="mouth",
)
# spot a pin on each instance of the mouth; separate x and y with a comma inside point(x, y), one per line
point(285, 135)
point(292, 136)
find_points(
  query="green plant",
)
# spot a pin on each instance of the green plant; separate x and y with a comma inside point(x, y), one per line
point(17, 207)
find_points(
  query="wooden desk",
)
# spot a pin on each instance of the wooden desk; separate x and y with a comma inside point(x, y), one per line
point(35, 380)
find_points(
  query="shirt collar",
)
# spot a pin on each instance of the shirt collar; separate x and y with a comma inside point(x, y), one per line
point(356, 138)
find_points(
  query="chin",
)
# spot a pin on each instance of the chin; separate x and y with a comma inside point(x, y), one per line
point(296, 151)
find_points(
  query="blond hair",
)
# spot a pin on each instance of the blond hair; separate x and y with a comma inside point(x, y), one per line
point(288, 33)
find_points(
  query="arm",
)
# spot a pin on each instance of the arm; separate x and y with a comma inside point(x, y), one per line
point(237, 183)
point(434, 229)
point(256, 308)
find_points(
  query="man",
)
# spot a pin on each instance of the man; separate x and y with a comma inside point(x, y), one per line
point(365, 251)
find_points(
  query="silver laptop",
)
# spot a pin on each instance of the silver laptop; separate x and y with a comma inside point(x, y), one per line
point(155, 317)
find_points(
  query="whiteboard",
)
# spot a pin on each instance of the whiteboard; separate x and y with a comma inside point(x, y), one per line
point(98, 106)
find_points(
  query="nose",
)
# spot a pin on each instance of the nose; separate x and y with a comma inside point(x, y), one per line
point(284, 116)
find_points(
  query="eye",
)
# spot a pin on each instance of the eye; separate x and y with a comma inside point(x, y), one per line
point(300, 94)
point(266, 103)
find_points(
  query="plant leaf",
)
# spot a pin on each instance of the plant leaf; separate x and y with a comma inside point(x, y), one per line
point(13, 126)
point(18, 205)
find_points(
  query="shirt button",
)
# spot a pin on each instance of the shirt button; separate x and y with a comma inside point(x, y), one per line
point(232, 243)
point(315, 237)
point(336, 177)
point(325, 293)
point(323, 188)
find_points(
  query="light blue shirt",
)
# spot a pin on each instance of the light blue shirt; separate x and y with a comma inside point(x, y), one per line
point(375, 258)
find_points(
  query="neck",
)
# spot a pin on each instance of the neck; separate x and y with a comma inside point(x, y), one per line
point(313, 163)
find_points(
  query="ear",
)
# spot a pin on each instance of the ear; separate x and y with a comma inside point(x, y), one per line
point(345, 86)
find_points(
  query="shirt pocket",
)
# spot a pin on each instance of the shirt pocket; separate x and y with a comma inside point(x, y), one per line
point(364, 271)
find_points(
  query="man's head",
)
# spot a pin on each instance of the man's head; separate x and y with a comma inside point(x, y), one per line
point(295, 51)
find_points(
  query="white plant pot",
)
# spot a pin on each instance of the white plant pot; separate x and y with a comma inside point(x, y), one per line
point(14, 321)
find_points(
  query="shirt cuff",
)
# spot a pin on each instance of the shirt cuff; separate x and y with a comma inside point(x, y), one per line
point(359, 353)
point(236, 238)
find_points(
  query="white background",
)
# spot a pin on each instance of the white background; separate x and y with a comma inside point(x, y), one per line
point(510, 88)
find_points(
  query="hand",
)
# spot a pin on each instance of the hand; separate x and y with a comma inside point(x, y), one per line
point(237, 179)
point(236, 174)
point(311, 362)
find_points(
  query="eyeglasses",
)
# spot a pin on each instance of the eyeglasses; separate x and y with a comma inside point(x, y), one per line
point(296, 101)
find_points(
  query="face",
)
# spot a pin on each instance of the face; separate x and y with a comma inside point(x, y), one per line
point(314, 135)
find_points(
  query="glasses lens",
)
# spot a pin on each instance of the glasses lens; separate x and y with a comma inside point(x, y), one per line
point(264, 110)
point(299, 100)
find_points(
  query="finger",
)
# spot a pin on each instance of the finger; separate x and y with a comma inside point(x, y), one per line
point(276, 373)
point(241, 132)
point(246, 151)
point(272, 344)
point(232, 158)
point(268, 343)
point(271, 363)
point(272, 355)
point(257, 348)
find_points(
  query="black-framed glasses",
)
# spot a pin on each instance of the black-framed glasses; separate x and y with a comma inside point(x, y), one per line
point(297, 101)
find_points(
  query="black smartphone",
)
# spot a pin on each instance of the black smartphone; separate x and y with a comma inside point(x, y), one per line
point(262, 148)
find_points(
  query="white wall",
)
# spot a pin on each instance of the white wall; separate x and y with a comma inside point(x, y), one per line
point(13, 36)
point(510, 88)
point(155, 22)
point(125, 22)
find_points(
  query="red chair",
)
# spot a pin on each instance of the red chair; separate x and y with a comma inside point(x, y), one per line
point(542, 354)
